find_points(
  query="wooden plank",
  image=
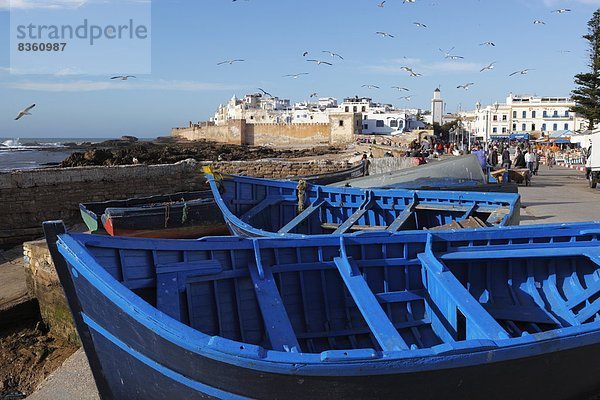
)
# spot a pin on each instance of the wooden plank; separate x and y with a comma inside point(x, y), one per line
point(584, 295)
point(277, 323)
point(403, 217)
point(382, 328)
point(442, 207)
point(301, 217)
point(361, 330)
point(364, 207)
point(451, 293)
point(467, 215)
point(589, 311)
point(264, 204)
point(400, 297)
point(532, 314)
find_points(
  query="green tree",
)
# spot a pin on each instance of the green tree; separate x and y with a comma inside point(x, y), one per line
point(587, 94)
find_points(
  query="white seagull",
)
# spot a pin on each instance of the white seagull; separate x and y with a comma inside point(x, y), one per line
point(371, 86)
point(410, 71)
point(123, 77)
point(314, 94)
point(295, 76)
point(407, 98)
point(332, 54)
point(465, 86)
point(539, 22)
point(561, 10)
point(384, 34)
point(24, 112)
point(453, 57)
point(230, 61)
point(490, 67)
point(522, 72)
point(420, 24)
point(305, 54)
point(488, 44)
point(408, 1)
point(402, 89)
point(381, 4)
point(319, 62)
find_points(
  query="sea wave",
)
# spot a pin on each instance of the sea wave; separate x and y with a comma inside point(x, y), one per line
point(16, 145)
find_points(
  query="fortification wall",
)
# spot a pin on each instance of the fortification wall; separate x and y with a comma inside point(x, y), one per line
point(287, 135)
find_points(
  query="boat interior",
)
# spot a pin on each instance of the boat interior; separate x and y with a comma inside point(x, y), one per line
point(312, 210)
point(385, 294)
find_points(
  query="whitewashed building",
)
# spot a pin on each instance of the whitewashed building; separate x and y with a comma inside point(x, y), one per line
point(524, 114)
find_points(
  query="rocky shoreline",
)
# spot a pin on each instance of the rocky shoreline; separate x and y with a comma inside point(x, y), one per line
point(129, 151)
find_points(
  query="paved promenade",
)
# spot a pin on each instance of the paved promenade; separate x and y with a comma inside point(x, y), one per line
point(556, 195)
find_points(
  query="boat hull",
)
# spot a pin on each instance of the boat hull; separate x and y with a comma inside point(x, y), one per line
point(148, 366)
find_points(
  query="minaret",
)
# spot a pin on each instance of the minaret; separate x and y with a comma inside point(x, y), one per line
point(437, 107)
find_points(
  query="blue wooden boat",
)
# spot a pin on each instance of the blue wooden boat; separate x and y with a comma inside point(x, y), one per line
point(474, 314)
point(263, 207)
point(174, 216)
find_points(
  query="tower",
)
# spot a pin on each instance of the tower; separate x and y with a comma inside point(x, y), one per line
point(437, 107)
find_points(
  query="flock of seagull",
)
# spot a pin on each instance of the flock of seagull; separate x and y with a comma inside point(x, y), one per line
point(448, 54)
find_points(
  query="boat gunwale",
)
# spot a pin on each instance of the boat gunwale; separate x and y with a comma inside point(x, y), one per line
point(464, 353)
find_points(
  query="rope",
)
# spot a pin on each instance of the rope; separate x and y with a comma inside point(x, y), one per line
point(301, 191)
point(167, 213)
point(184, 215)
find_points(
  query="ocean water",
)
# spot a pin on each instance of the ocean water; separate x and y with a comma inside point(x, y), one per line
point(35, 153)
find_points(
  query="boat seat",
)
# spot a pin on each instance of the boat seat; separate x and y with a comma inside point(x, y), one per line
point(173, 278)
point(531, 314)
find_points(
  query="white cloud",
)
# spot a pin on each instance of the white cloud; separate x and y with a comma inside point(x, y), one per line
point(93, 86)
point(43, 4)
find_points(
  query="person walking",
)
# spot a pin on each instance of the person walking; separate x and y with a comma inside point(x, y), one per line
point(494, 158)
point(530, 160)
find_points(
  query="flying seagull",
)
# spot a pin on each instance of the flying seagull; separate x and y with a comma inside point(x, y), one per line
point(490, 67)
point(381, 4)
point(332, 54)
point(410, 71)
point(265, 92)
point(384, 34)
point(295, 76)
point(408, 1)
point(538, 22)
point(402, 89)
point(465, 86)
point(230, 61)
point(319, 62)
point(522, 72)
point(123, 77)
point(371, 86)
point(407, 98)
point(420, 24)
point(487, 44)
point(24, 112)
point(453, 57)
point(305, 54)
point(561, 10)
point(315, 94)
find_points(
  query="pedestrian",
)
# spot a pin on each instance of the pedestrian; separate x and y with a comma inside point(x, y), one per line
point(494, 158)
point(530, 160)
point(519, 161)
point(506, 159)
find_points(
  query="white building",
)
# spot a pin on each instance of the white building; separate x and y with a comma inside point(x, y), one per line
point(533, 115)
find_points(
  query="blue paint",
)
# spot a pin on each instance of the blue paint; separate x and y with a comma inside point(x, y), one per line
point(366, 305)
point(254, 207)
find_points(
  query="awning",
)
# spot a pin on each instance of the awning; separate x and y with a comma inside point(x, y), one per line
point(561, 141)
point(499, 137)
point(519, 136)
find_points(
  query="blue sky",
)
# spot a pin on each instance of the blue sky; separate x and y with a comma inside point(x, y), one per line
point(190, 37)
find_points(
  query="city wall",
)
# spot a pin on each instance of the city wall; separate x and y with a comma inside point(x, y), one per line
point(339, 131)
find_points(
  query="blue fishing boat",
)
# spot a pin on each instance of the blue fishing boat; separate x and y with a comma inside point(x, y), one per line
point(256, 207)
point(472, 314)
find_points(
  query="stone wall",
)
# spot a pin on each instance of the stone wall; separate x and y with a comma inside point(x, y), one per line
point(339, 131)
point(43, 284)
point(27, 198)
point(278, 169)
